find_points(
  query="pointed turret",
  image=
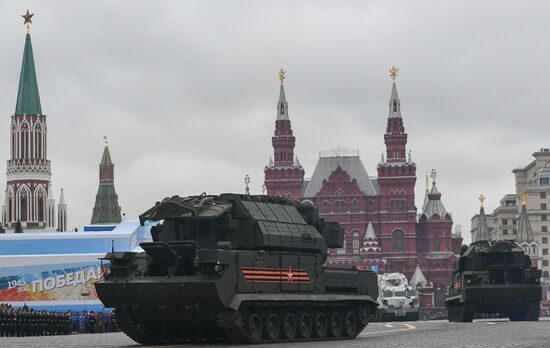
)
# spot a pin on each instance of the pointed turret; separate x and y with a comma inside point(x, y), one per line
point(482, 232)
point(28, 98)
point(418, 279)
point(62, 213)
point(525, 232)
point(106, 209)
point(370, 243)
point(434, 206)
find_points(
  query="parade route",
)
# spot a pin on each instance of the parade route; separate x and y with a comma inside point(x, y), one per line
point(424, 334)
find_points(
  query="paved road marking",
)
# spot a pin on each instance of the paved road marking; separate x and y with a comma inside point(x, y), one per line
point(388, 325)
point(408, 327)
point(490, 323)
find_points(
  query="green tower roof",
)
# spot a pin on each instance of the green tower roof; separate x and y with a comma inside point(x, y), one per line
point(106, 159)
point(28, 99)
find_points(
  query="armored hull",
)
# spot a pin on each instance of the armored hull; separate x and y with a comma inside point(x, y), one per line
point(494, 277)
point(397, 299)
point(247, 269)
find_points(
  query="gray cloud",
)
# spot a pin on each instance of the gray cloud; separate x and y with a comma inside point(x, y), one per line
point(186, 91)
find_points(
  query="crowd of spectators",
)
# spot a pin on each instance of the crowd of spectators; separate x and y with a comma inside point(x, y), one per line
point(29, 322)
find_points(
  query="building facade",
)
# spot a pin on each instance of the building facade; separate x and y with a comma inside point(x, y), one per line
point(28, 195)
point(382, 229)
point(533, 184)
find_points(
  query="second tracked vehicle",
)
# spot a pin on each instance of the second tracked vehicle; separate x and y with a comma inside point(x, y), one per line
point(494, 277)
point(248, 269)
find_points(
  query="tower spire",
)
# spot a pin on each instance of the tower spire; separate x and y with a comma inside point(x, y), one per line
point(282, 105)
point(106, 209)
point(525, 232)
point(482, 227)
point(28, 98)
point(394, 104)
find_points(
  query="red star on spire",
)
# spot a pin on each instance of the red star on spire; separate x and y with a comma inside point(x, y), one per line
point(27, 17)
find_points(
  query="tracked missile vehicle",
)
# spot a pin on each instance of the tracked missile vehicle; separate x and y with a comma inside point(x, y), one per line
point(494, 277)
point(248, 269)
point(397, 299)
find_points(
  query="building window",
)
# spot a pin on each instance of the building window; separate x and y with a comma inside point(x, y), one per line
point(40, 208)
point(371, 208)
point(543, 206)
point(514, 231)
point(325, 207)
point(543, 217)
point(24, 207)
point(544, 240)
point(355, 241)
point(544, 182)
point(505, 231)
point(545, 274)
point(514, 221)
point(545, 251)
point(437, 244)
point(543, 195)
point(544, 228)
point(545, 263)
point(398, 240)
point(505, 221)
point(354, 206)
point(340, 206)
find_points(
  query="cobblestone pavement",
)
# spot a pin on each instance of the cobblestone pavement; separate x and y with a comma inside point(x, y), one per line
point(424, 334)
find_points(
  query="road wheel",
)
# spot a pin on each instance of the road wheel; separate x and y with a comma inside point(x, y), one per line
point(272, 327)
point(289, 326)
point(305, 325)
point(321, 325)
point(255, 326)
point(350, 324)
point(335, 325)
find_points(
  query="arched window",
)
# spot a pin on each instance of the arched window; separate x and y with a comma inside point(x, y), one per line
point(10, 209)
point(325, 207)
point(24, 140)
point(38, 153)
point(282, 109)
point(340, 206)
point(40, 206)
point(355, 240)
point(371, 207)
point(394, 106)
point(398, 240)
point(354, 206)
point(24, 200)
point(437, 243)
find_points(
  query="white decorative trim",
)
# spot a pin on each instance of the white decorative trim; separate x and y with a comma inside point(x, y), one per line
point(29, 176)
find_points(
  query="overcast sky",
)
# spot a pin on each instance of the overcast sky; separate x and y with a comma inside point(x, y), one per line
point(186, 91)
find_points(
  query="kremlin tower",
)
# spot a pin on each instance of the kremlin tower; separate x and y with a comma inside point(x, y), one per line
point(284, 176)
point(106, 208)
point(29, 197)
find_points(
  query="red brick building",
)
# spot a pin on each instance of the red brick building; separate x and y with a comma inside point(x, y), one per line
point(379, 215)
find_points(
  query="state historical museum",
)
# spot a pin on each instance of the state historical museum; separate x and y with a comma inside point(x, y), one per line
point(383, 229)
